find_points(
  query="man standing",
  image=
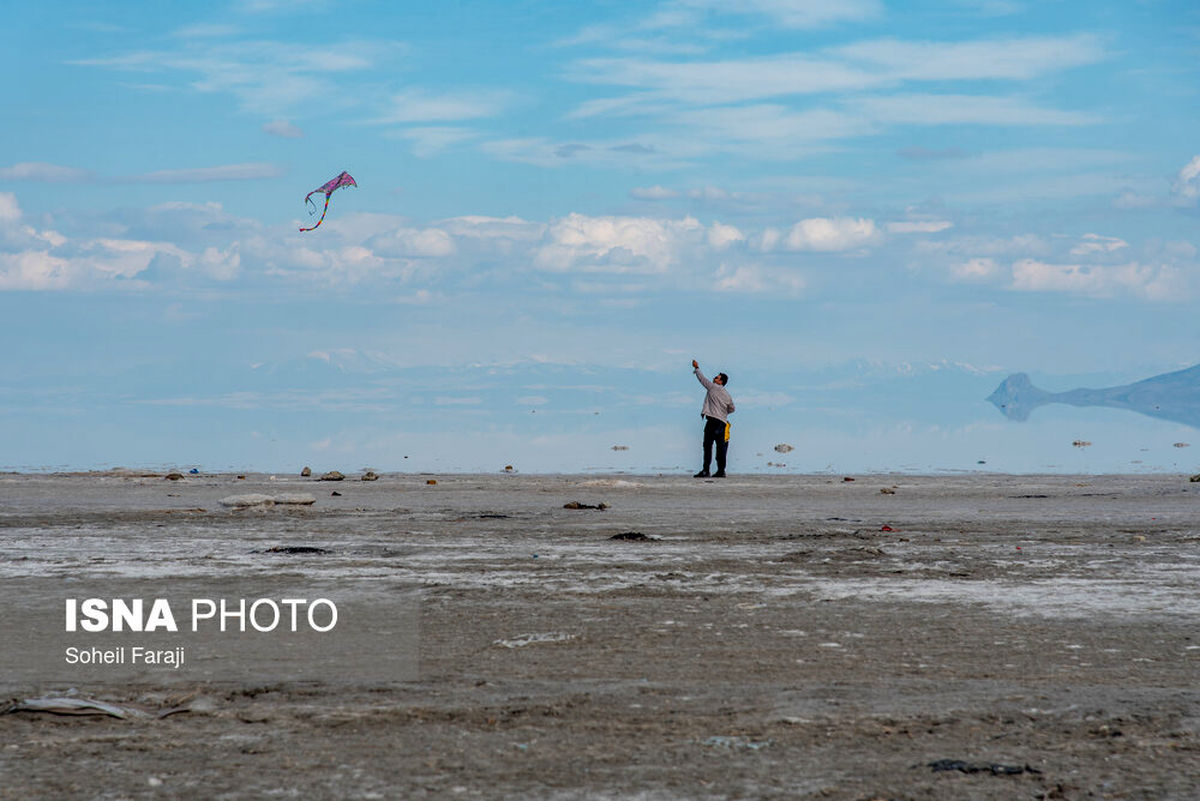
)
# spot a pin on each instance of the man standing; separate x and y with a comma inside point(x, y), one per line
point(718, 405)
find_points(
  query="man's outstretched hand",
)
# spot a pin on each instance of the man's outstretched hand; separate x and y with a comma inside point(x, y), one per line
point(695, 364)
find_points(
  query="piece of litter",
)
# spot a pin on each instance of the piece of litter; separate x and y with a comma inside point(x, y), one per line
point(993, 768)
point(87, 706)
point(296, 549)
point(721, 741)
point(521, 640)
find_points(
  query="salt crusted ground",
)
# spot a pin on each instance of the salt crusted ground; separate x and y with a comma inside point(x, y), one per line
point(769, 637)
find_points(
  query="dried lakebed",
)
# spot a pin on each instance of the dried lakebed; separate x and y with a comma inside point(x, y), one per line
point(960, 637)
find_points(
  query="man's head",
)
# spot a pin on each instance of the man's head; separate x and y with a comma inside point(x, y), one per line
point(721, 379)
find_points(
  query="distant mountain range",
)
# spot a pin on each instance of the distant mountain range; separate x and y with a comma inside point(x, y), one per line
point(1170, 396)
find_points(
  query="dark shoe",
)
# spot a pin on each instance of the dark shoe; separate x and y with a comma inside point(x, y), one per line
point(701, 474)
point(719, 474)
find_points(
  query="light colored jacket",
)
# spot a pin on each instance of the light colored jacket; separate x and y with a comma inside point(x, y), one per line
point(718, 402)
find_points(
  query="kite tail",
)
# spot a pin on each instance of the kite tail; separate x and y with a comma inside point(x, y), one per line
point(318, 225)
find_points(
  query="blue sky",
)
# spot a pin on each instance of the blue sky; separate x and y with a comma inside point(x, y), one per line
point(560, 204)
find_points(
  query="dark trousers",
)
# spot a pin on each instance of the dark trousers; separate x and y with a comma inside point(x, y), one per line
point(715, 432)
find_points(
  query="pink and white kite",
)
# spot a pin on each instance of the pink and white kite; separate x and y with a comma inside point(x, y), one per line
point(342, 180)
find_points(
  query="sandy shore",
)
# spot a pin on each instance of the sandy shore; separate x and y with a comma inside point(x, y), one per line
point(891, 637)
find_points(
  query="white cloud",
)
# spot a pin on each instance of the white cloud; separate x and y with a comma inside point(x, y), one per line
point(10, 211)
point(1014, 58)
point(40, 171)
point(15, 236)
point(225, 172)
point(721, 236)
point(1130, 199)
point(1094, 243)
point(761, 400)
point(44, 259)
point(788, 13)
point(494, 228)
point(708, 193)
point(857, 67)
point(268, 78)
point(627, 106)
point(951, 109)
point(222, 265)
point(718, 104)
point(758, 279)
point(1162, 282)
point(1074, 265)
point(543, 152)
point(33, 270)
point(88, 264)
point(727, 81)
point(446, 400)
point(1019, 245)
point(413, 243)
point(768, 239)
point(652, 193)
point(832, 234)
point(128, 257)
point(1046, 159)
point(975, 269)
point(617, 244)
point(205, 31)
point(1180, 249)
point(994, 8)
point(417, 105)
point(786, 131)
point(918, 226)
point(329, 263)
point(430, 140)
point(283, 129)
point(1187, 184)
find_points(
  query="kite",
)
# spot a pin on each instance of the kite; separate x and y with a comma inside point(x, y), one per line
point(342, 180)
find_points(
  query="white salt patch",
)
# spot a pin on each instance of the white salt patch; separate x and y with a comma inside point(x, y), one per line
point(258, 499)
point(1048, 598)
point(251, 499)
point(616, 483)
